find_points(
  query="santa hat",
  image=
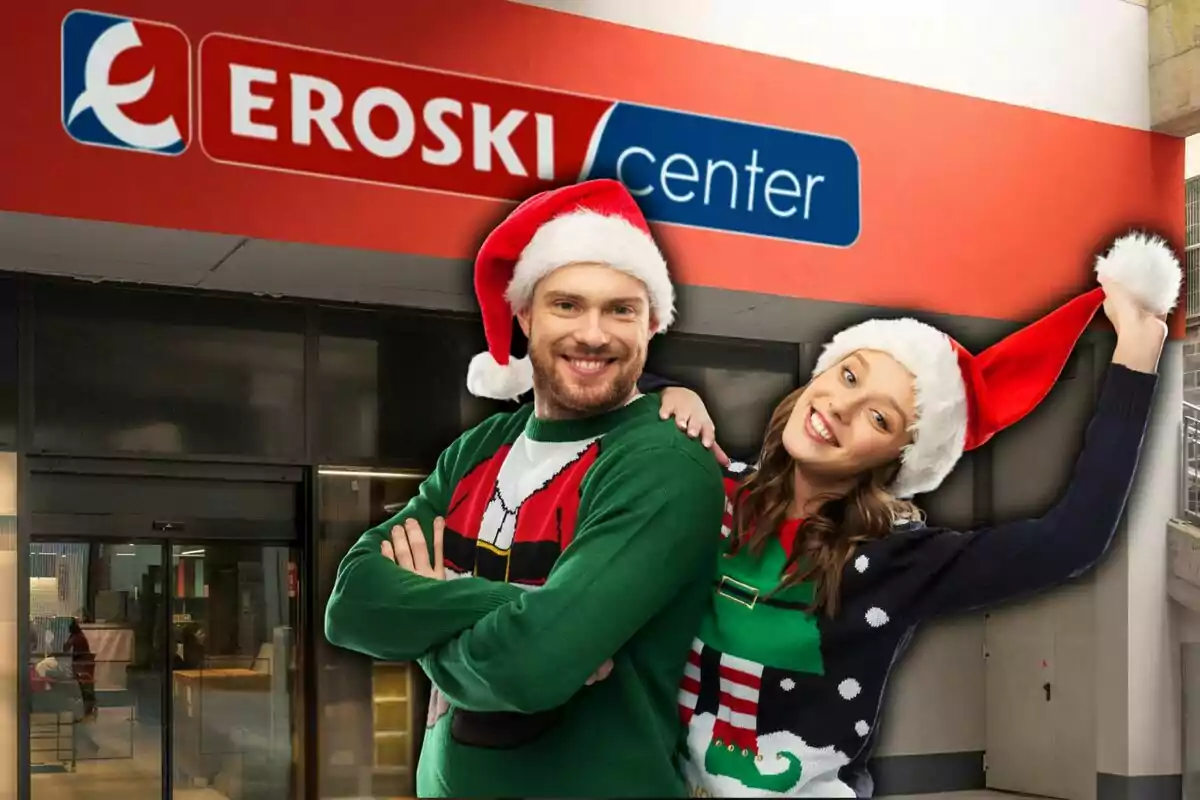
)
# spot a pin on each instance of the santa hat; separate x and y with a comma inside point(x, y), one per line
point(596, 221)
point(962, 399)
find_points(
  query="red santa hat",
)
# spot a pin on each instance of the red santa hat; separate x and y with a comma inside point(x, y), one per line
point(962, 399)
point(596, 221)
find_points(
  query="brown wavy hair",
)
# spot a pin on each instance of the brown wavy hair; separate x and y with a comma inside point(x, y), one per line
point(826, 540)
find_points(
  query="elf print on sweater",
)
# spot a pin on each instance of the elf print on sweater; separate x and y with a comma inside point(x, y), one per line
point(772, 699)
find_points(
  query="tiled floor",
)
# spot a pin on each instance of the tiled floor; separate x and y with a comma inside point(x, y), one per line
point(117, 759)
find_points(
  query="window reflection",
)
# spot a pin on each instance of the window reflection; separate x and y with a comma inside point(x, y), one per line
point(372, 713)
point(234, 671)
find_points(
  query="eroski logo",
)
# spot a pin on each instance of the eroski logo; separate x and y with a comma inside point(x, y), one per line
point(294, 109)
point(126, 83)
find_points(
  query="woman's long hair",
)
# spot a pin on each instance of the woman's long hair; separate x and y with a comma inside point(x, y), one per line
point(826, 540)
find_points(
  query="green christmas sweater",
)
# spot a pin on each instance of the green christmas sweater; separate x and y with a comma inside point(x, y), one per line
point(779, 702)
point(566, 543)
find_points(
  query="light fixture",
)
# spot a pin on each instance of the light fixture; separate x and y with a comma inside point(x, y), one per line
point(366, 473)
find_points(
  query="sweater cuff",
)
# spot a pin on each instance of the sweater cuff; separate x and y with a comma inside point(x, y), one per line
point(1127, 392)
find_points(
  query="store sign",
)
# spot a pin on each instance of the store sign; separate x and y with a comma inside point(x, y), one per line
point(279, 107)
point(717, 173)
point(126, 83)
point(272, 106)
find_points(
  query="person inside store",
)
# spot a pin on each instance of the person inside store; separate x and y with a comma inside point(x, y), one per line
point(575, 536)
point(827, 566)
point(83, 665)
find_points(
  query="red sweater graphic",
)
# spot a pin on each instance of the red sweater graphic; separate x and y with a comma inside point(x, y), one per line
point(543, 523)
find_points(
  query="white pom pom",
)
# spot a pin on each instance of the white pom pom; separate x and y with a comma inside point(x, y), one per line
point(486, 378)
point(1144, 265)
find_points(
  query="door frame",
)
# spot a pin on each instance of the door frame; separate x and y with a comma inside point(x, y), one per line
point(102, 529)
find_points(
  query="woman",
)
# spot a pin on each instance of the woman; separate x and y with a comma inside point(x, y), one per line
point(828, 567)
point(83, 664)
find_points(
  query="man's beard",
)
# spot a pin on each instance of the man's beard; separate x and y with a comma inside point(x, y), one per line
point(563, 401)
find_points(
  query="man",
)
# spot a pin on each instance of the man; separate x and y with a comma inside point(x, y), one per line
point(574, 528)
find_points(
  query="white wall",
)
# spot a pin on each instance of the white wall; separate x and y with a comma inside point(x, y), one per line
point(936, 701)
point(1084, 58)
point(1191, 156)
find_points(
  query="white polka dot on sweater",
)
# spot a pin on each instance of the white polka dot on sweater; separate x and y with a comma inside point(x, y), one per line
point(862, 728)
point(877, 617)
point(849, 688)
point(861, 563)
point(787, 684)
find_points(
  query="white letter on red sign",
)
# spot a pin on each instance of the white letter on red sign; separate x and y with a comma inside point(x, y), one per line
point(545, 145)
point(367, 102)
point(242, 102)
point(434, 113)
point(303, 113)
point(488, 139)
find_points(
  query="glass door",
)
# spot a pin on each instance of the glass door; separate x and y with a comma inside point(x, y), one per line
point(96, 668)
point(236, 712)
point(372, 716)
point(108, 623)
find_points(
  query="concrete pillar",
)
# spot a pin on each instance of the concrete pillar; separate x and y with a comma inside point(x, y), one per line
point(9, 667)
point(1138, 676)
point(1174, 32)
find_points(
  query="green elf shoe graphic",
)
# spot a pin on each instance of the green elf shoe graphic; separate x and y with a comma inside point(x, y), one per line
point(754, 624)
point(744, 765)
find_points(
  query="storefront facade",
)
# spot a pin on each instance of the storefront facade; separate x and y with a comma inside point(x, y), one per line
point(191, 456)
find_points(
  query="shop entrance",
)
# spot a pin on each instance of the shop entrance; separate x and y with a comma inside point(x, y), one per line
point(163, 610)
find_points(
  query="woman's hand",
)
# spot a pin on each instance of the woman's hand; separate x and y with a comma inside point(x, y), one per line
point(1140, 334)
point(692, 417)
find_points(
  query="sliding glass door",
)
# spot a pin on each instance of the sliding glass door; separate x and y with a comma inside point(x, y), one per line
point(236, 712)
point(96, 670)
point(163, 670)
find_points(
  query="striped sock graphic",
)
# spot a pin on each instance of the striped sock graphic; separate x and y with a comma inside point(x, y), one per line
point(689, 688)
point(737, 716)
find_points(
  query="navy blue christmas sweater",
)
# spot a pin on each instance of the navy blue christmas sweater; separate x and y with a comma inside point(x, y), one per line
point(780, 702)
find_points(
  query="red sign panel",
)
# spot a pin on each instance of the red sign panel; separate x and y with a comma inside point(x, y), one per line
point(308, 111)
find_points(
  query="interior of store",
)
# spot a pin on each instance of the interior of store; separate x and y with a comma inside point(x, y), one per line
point(98, 635)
